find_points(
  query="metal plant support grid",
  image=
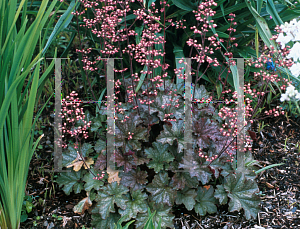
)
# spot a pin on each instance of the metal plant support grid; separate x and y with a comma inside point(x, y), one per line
point(240, 161)
point(57, 119)
point(239, 165)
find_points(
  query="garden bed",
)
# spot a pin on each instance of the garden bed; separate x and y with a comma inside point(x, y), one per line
point(279, 186)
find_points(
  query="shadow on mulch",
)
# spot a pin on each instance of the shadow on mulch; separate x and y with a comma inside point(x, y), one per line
point(279, 186)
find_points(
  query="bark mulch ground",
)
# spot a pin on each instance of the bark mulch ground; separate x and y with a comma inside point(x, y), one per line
point(279, 186)
point(280, 207)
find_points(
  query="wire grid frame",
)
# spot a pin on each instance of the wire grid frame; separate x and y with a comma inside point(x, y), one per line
point(111, 115)
point(239, 164)
point(110, 135)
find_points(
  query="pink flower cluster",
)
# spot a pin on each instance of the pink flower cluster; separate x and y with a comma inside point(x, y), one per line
point(72, 113)
point(117, 37)
point(255, 97)
point(106, 25)
point(99, 177)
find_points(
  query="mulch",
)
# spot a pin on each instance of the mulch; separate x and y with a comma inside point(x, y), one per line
point(279, 186)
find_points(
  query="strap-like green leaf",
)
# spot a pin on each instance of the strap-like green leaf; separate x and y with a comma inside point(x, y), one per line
point(256, 42)
point(259, 5)
point(143, 75)
point(263, 28)
point(185, 5)
point(62, 23)
point(273, 12)
point(100, 100)
point(178, 52)
point(231, 9)
point(267, 167)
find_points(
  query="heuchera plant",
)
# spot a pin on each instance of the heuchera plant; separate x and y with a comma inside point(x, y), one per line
point(149, 128)
point(150, 163)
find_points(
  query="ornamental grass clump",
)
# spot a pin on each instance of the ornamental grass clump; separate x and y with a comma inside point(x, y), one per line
point(17, 64)
point(20, 87)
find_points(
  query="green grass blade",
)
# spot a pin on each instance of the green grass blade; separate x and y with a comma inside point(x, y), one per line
point(143, 75)
point(273, 12)
point(267, 167)
point(99, 100)
point(178, 52)
point(62, 23)
point(262, 27)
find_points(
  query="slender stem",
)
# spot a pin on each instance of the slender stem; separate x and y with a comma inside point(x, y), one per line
point(297, 105)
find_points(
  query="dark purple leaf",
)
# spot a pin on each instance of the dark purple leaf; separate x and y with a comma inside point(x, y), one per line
point(100, 163)
point(122, 160)
point(134, 179)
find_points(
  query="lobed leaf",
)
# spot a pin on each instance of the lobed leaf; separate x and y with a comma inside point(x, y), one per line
point(171, 133)
point(136, 205)
point(206, 130)
point(166, 104)
point(70, 181)
point(113, 176)
point(78, 163)
point(100, 163)
point(159, 155)
point(90, 182)
point(83, 205)
point(161, 212)
point(108, 196)
point(242, 194)
point(122, 160)
point(160, 189)
point(181, 180)
point(221, 194)
point(206, 202)
point(196, 168)
point(134, 179)
point(186, 197)
point(139, 160)
point(97, 122)
point(131, 126)
point(108, 223)
point(100, 145)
